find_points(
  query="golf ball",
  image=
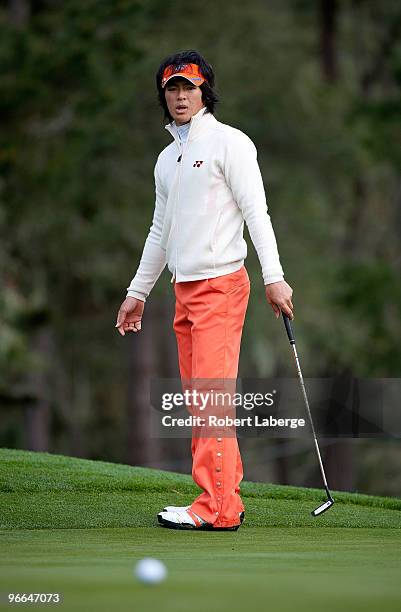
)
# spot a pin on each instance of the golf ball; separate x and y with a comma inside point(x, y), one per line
point(150, 571)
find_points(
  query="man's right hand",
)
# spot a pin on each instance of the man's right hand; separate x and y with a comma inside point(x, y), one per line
point(130, 315)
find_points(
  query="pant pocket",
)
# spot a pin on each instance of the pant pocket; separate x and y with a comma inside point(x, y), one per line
point(228, 282)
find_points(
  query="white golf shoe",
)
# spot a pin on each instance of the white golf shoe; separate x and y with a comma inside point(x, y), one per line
point(184, 508)
point(182, 519)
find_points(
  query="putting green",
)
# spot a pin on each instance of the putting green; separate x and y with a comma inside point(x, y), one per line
point(257, 568)
point(77, 527)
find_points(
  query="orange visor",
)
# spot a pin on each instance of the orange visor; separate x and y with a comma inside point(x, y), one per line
point(187, 71)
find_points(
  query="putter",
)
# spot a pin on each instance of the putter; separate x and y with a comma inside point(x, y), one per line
point(330, 501)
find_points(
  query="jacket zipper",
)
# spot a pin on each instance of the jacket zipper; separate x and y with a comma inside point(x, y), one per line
point(176, 207)
point(180, 160)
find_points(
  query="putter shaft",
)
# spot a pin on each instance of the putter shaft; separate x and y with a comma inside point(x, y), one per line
point(330, 500)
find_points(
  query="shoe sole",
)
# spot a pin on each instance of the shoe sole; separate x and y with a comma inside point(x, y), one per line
point(186, 526)
point(241, 516)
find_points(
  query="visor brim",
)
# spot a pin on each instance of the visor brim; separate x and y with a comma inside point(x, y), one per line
point(195, 80)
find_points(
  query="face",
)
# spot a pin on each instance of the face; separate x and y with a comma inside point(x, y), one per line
point(183, 98)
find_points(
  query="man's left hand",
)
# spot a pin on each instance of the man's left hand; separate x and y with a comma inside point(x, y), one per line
point(279, 297)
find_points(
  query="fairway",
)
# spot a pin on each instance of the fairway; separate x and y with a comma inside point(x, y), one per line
point(86, 543)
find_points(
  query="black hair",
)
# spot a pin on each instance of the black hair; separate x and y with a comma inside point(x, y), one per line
point(209, 96)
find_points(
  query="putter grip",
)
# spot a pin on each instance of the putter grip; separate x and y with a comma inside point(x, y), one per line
point(288, 327)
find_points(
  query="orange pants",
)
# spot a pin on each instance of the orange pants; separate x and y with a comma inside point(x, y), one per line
point(208, 322)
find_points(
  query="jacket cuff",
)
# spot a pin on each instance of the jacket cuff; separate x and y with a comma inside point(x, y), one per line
point(136, 294)
point(273, 279)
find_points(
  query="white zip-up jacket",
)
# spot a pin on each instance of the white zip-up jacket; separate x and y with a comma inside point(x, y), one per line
point(205, 189)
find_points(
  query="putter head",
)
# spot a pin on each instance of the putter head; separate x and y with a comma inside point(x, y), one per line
point(323, 507)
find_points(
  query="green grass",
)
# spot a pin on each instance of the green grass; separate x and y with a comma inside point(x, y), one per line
point(39, 490)
point(78, 527)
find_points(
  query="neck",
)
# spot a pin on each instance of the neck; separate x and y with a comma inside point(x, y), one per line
point(179, 124)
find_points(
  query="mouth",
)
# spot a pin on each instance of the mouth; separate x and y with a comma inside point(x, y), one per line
point(181, 109)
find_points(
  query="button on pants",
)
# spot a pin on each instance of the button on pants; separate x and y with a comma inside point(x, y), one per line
point(208, 323)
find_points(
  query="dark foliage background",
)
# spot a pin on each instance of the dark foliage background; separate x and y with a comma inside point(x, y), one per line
point(316, 85)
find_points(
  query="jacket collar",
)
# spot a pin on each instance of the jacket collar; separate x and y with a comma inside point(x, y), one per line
point(200, 123)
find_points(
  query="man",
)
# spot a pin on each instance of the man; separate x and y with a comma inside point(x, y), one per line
point(207, 183)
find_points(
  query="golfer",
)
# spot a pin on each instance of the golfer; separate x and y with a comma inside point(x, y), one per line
point(207, 183)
